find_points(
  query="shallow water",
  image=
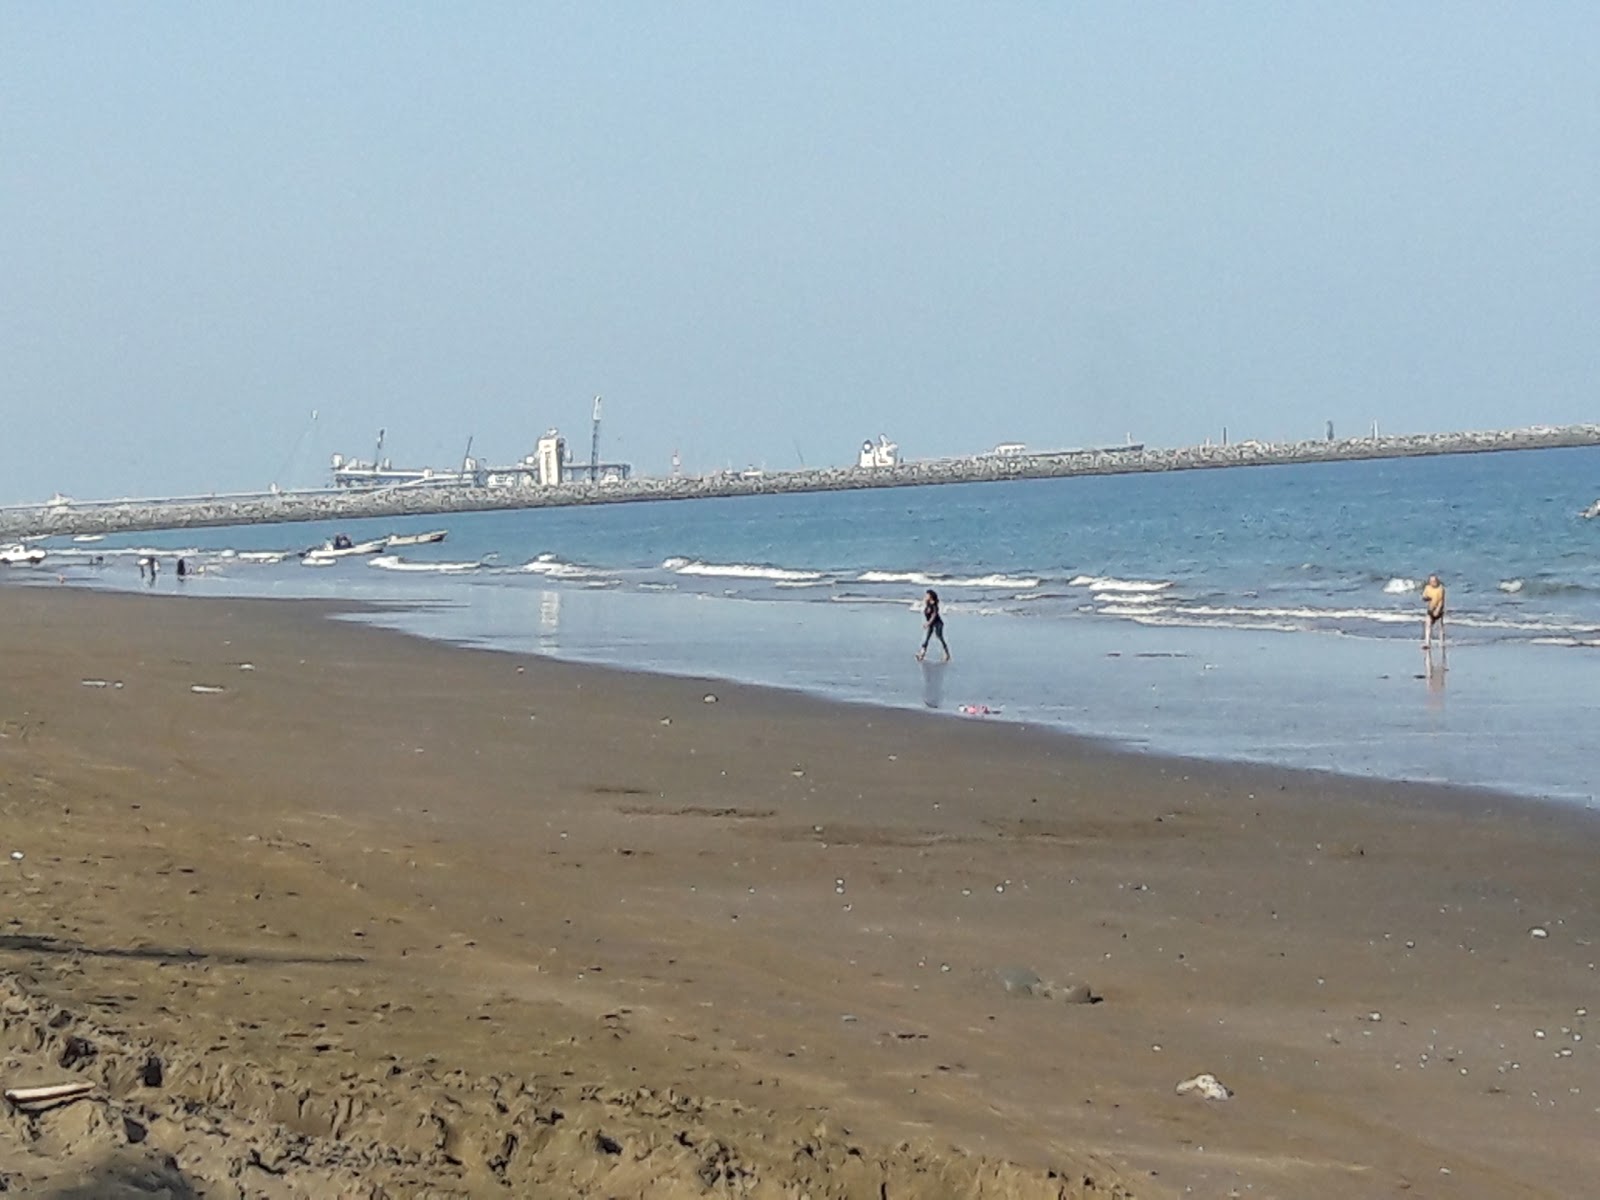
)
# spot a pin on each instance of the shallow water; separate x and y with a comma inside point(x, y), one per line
point(1266, 614)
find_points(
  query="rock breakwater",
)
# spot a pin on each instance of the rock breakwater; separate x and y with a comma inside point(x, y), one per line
point(114, 516)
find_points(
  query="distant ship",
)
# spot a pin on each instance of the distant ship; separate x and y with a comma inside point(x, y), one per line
point(879, 455)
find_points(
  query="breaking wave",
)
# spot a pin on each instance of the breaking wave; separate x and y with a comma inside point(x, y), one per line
point(552, 567)
point(685, 566)
point(922, 579)
point(1108, 583)
point(393, 562)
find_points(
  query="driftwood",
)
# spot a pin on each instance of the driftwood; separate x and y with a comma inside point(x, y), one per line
point(36, 1098)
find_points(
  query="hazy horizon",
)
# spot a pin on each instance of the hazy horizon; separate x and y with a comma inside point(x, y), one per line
point(765, 235)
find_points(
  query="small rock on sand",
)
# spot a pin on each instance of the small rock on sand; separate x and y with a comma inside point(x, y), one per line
point(1023, 981)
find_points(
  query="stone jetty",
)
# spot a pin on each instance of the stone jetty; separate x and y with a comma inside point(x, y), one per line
point(63, 517)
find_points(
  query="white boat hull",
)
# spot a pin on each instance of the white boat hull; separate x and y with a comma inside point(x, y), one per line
point(325, 554)
point(416, 539)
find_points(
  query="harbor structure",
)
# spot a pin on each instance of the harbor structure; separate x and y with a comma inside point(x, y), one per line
point(881, 455)
point(550, 465)
point(63, 516)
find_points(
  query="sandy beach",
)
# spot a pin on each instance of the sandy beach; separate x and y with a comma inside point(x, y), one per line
point(324, 910)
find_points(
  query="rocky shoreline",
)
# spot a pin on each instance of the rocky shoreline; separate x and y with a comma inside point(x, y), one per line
point(65, 518)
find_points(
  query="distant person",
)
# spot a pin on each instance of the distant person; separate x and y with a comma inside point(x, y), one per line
point(155, 568)
point(144, 566)
point(1433, 611)
point(932, 625)
point(183, 568)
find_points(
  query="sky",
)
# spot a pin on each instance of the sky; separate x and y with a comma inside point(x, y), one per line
point(765, 233)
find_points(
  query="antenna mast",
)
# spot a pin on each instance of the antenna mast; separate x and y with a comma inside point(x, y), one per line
point(594, 445)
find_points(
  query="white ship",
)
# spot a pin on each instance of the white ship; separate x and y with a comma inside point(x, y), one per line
point(880, 455)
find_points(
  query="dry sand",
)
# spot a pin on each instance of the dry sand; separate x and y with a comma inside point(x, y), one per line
point(387, 918)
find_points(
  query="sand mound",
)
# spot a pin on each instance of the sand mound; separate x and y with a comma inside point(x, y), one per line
point(173, 1122)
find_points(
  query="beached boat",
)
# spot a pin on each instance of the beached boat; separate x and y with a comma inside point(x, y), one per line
point(415, 539)
point(18, 555)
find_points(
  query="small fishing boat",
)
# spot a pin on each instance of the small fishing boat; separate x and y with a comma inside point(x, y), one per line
point(342, 547)
point(415, 539)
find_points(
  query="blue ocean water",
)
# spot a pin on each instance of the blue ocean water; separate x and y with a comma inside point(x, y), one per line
point(1270, 614)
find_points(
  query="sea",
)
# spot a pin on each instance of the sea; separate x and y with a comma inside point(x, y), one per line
point(1264, 614)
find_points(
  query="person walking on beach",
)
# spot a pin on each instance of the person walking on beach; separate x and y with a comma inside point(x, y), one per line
point(932, 626)
point(1433, 606)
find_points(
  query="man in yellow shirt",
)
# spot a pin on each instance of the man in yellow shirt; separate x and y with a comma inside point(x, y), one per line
point(1433, 604)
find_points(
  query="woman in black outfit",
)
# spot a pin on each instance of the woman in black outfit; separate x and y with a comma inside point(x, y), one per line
point(933, 625)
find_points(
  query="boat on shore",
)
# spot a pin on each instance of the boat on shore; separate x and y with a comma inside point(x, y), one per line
point(415, 539)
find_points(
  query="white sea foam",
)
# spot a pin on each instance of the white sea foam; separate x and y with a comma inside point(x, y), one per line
point(1513, 586)
point(393, 562)
point(1382, 616)
point(1180, 617)
point(1130, 610)
point(256, 556)
point(1107, 583)
point(949, 581)
point(1400, 587)
point(552, 567)
point(995, 581)
point(1296, 618)
point(738, 570)
point(1110, 597)
point(311, 560)
point(916, 577)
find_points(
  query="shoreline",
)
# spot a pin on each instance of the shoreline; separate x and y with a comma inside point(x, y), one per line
point(522, 851)
point(430, 618)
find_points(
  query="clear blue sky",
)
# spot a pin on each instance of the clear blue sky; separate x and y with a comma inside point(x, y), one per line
point(765, 231)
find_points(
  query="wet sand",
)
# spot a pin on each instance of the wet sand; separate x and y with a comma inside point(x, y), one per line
point(385, 917)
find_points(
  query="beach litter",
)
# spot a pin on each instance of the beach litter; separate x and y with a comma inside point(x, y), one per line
point(977, 710)
point(1019, 981)
point(37, 1099)
point(206, 689)
point(1023, 981)
point(710, 699)
point(1205, 1085)
point(96, 683)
